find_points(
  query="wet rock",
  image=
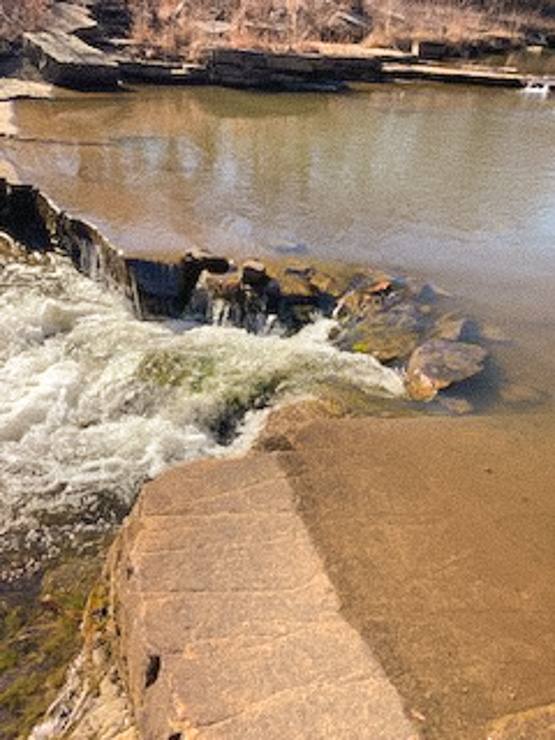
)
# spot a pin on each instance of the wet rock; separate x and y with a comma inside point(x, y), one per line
point(429, 294)
point(369, 293)
point(385, 342)
point(303, 295)
point(191, 267)
point(323, 283)
point(7, 247)
point(456, 329)
point(254, 273)
point(20, 215)
point(161, 289)
point(457, 406)
point(383, 321)
point(252, 297)
point(439, 363)
point(495, 334)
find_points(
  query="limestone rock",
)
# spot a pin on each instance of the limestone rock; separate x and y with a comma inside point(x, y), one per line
point(165, 289)
point(12, 89)
point(227, 622)
point(254, 273)
point(65, 60)
point(389, 329)
point(439, 363)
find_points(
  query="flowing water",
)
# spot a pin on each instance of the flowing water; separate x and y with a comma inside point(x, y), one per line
point(94, 402)
point(454, 185)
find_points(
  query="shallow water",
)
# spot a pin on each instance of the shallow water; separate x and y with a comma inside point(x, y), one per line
point(94, 402)
point(453, 184)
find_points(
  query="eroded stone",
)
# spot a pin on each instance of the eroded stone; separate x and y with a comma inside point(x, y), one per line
point(439, 363)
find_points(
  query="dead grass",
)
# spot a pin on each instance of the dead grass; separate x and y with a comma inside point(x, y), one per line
point(182, 26)
point(173, 27)
point(17, 16)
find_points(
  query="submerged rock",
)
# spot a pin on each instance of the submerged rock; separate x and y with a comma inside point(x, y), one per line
point(520, 394)
point(456, 329)
point(439, 363)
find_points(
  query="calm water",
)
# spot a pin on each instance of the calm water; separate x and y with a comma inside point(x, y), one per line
point(450, 183)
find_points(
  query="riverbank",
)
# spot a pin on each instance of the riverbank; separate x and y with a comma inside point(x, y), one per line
point(436, 537)
point(165, 175)
point(132, 397)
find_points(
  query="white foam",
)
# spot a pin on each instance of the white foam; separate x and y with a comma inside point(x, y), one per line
point(93, 402)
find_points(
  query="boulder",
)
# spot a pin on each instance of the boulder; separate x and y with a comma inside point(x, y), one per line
point(254, 273)
point(388, 332)
point(439, 363)
point(456, 329)
point(161, 289)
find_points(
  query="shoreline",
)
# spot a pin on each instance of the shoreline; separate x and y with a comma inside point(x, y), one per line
point(438, 558)
point(437, 534)
point(328, 429)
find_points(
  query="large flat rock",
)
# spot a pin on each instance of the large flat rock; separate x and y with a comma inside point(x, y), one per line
point(439, 535)
point(229, 624)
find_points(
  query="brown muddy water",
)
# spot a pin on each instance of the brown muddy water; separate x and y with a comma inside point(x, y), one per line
point(455, 186)
point(452, 184)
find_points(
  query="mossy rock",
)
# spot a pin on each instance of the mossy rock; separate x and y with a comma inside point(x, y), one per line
point(39, 637)
point(385, 343)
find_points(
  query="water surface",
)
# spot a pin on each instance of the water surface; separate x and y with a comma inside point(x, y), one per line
point(454, 184)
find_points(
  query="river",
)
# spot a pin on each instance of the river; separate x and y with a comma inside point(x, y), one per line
point(450, 184)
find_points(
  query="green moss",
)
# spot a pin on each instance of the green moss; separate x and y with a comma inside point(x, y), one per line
point(345, 399)
point(39, 637)
point(167, 369)
point(361, 347)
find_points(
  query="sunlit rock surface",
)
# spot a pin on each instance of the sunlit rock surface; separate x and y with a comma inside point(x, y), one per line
point(229, 625)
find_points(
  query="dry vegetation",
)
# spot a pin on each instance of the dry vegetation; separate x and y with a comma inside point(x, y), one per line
point(21, 15)
point(172, 25)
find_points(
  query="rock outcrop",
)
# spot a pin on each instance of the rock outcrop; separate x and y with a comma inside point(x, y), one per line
point(64, 60)
point(397, 321)
point(288, 71)
point(225, 624)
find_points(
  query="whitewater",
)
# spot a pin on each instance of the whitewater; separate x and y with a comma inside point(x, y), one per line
point(94, 402)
